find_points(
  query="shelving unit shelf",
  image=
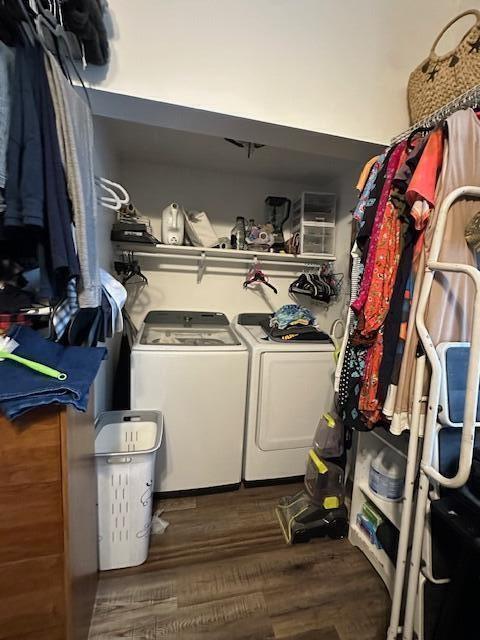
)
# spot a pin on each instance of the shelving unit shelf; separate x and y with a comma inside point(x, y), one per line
point(391, 510)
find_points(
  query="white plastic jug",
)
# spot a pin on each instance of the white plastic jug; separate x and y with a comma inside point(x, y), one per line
point(173, 224)
point(387, 475)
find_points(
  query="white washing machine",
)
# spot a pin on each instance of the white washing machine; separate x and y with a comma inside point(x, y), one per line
point(193, 368)
point(290, 386)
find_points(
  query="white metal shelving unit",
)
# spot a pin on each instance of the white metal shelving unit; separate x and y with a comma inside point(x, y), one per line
point(369, 444)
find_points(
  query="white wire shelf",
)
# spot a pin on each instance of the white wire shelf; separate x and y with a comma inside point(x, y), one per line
point(221, 255)
point(470, 98)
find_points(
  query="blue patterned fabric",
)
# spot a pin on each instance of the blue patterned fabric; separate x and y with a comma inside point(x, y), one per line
point(291, 314)
point(65, 311)
point(365, 200)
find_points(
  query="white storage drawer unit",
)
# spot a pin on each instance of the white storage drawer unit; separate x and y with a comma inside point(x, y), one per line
point(313, 218)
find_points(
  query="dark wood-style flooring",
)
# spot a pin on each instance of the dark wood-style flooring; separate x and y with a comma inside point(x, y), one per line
point(222, 571)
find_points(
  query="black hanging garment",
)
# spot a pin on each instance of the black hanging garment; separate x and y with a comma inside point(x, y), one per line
point(84, 18)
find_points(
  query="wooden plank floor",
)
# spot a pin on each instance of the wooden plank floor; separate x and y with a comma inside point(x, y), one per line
point(222, 571)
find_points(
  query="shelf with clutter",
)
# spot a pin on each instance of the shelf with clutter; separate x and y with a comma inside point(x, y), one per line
point(204, 211)
point(191, 234)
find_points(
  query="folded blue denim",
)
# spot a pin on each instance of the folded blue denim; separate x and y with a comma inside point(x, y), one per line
point(22, 389)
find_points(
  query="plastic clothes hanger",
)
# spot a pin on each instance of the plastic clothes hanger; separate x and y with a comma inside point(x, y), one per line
point(118, 195)
point(321, 285)
point(54, 40)
point(311, 284)
point(114, 188)
point(135, 271)
point(256, 276)
point(109, 202)
point(303, 285)
point(420, 131)
point(129, 268)
point(49, 24)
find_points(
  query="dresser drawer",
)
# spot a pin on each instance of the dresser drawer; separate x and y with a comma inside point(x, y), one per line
point(30, 449)
point(34, 587)
point(34, 526)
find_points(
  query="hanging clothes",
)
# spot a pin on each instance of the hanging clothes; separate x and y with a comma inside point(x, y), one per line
point(381, 266)
point(383, 280)
point(24, 194)
point(85, 19)
point(366, 173)
point(367, 210)
point(367, 198)
point(351, 365)
point(355, 277)
point(368, 274)
point(37, 203)
point(398, 313)
point(449, 315)
point(398, 211)
point(7, 57)
point(421, 194)
point(75, 127)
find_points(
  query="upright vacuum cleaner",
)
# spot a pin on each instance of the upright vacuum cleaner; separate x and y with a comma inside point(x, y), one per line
point(319, 509)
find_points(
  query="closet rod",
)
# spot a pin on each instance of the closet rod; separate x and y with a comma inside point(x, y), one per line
point(209, 258)
point(182, 252)
point(470, 98)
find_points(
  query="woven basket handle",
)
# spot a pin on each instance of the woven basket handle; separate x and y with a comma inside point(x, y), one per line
point(472, 12)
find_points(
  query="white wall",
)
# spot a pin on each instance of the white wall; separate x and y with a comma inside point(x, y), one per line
point(105, 165)
point(223, 196)
point(323, 65)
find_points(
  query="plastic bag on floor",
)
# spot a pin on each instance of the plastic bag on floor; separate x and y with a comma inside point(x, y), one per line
point(158, 523)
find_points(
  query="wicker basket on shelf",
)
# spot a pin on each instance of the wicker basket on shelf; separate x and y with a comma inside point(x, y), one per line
point(440, 79)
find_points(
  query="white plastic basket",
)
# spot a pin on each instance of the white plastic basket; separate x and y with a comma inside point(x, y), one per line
point(126, 443)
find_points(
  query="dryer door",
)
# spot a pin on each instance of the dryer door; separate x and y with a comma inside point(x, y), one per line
point(295, 389)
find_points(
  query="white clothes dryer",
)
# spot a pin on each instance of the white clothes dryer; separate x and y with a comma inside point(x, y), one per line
point(193, 368)
point(290, 386)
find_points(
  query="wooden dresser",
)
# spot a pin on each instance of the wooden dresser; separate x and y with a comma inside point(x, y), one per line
point(48, 526)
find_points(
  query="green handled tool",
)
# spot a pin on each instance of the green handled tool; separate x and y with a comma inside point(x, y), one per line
point(7, 345)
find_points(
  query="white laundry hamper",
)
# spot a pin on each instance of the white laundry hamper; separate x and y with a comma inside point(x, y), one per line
point(126, 443)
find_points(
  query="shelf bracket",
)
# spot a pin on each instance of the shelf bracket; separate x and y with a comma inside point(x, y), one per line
point(202, 266)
